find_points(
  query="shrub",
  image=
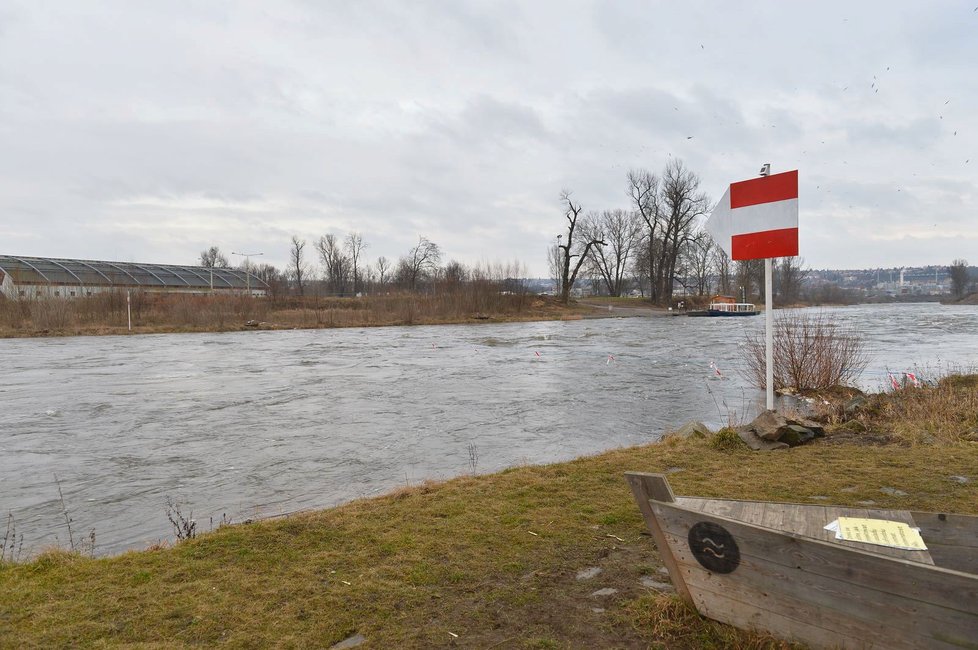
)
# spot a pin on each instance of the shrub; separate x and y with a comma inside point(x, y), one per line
point(811, 352)
point(726, 439)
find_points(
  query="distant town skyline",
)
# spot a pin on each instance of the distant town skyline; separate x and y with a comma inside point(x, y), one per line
point(149, 132)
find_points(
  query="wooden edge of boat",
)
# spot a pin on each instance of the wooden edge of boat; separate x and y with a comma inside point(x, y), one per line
point(851, 591)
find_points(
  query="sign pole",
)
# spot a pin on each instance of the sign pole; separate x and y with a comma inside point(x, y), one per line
point(768, 320)
point(769, 332)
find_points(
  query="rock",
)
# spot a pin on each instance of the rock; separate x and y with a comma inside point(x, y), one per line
point(692, 429)
point(893, 492)
point(652, 583)
point(811, 425)
point(598, 610)
point(588, 573)
point(607, 591)
point(757, 443)
point(350, 642)
point(854, 405)
point(252, 323)
point(768, 425)
point(959, 479)
point(868, 502)
point(673, 470)
point(795, 435)
point(819, 497)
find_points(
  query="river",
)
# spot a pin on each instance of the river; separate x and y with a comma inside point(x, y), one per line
point(254, 424)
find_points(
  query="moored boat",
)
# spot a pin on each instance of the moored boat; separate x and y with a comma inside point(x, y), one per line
point(775, 567)
point(726, 306)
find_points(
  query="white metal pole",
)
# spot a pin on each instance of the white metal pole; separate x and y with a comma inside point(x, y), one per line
point(768, 319)
point(769, 332)
point(129, 308)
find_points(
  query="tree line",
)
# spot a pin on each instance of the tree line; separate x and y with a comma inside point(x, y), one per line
point(336, 266)
point(657, 246)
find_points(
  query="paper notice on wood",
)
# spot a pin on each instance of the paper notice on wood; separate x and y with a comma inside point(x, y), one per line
point(881, 532)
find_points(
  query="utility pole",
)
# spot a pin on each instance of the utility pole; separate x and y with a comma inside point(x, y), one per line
point(247, 257)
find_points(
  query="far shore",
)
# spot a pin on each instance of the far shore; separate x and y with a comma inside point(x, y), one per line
point(181, 314)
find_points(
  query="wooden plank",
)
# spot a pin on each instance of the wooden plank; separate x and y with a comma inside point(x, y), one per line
point(848, 607)
point(805, 519)
point(948, 529)
point(941, 602)
point(959, 558)
point(644, 488)
point(799, 621)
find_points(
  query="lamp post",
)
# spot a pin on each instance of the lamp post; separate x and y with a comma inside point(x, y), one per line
point(247, 257)
point(560, 268)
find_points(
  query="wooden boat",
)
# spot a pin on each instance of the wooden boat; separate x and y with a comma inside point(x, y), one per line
point(773, 567)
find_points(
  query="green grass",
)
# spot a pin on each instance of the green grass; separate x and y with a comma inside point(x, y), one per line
point(412, 568)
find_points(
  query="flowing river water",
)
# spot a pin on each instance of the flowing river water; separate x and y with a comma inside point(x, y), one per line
point(260, 423)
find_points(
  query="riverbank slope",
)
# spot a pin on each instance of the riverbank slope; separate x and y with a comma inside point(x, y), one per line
point(544, 556)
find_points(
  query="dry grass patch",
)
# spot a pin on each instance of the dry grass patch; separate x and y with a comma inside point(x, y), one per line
point(945, 413)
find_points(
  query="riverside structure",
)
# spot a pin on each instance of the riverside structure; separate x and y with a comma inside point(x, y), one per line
point(48, 277)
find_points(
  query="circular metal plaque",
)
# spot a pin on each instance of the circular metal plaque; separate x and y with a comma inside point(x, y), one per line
point(713, 547)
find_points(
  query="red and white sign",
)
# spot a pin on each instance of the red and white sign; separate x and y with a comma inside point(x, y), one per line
point(758, 218)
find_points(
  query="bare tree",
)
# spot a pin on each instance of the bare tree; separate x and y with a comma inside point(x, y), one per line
point(297, 265)
point(622, 232)
point(749, 277)
point(788, 276)
point(212, 258)
point(336, 265)
point(554, 263)
point(421, 261)
point(354, 249)
point(683, 204)
point(455, 273)
point(721, 267)
point(271, 276)
point(670, 208)
point(959, 277)
point(383, 270)
point(699, 261)
point(570, 250)
point(643, 189)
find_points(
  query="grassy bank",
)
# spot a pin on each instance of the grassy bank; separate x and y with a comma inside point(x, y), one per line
point(158, 313)
point(479, 561)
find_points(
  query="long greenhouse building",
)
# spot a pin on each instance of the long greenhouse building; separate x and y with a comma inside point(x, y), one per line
point(48, 277)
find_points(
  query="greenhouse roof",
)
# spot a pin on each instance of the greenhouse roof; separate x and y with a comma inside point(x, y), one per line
point(52, 271)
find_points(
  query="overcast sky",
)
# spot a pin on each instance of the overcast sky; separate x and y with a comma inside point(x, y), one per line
point(147, 131)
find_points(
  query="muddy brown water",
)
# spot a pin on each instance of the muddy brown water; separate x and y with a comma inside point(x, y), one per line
point(255, 424)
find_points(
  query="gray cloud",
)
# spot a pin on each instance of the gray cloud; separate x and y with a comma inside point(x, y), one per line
point(151, 131)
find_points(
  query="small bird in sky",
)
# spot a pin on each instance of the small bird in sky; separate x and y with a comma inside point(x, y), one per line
point(689, 137)
point(947, 102)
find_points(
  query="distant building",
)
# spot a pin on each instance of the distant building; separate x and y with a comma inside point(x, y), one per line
point(46, 277)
